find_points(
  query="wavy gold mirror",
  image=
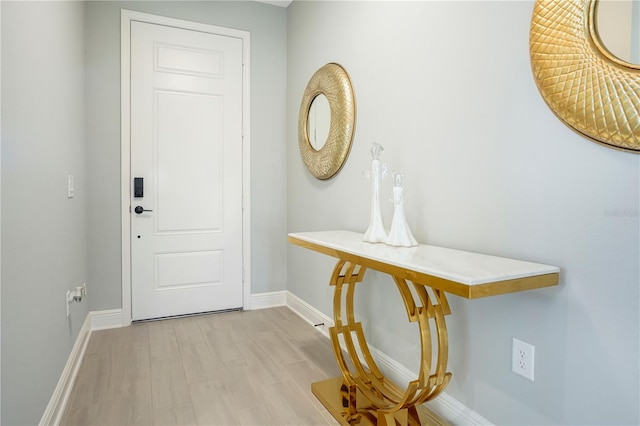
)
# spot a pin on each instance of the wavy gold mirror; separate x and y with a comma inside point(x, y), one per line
point(585, 85)
point(325, 158)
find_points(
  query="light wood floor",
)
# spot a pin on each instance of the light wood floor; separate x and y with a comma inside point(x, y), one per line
point(237, 368)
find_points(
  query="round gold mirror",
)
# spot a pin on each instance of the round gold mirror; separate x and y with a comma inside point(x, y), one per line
point(590, 89)
point(325, 130)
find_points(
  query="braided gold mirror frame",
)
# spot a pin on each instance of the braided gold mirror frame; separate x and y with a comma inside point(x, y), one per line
point(332, 81)
point(584, 84)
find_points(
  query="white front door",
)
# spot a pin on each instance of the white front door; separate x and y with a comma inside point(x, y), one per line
point(186, 151)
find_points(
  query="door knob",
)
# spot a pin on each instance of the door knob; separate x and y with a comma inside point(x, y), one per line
point(140, 209)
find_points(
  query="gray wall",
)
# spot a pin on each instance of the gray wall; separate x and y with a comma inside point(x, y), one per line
point(446, 88)
point(43, 232)
point(267, 25)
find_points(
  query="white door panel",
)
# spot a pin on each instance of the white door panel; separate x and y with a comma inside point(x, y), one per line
point(196, 118)
point(186, 142)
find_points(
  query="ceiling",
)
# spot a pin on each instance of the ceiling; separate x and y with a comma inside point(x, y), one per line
point(281, 3)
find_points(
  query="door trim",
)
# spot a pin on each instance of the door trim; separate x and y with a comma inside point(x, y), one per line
point(126, 16)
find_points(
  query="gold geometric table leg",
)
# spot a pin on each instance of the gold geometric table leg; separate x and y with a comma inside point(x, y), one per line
point(363, 395)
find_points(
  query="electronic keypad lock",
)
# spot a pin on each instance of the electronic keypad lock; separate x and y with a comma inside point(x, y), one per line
point(138, 187)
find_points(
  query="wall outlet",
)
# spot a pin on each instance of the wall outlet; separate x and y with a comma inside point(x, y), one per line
point(75, 295)
point(522, 358)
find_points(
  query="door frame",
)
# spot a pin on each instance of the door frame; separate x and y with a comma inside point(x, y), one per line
point(126, 16)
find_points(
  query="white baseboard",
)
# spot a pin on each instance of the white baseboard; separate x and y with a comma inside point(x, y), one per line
point(58, 402)
point(110, 318)
point(268, 300)
point(310, 314)
point(455, 411)
point(444, 405)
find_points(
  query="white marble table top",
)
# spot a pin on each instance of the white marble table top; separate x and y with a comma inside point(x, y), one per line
point(457, 266)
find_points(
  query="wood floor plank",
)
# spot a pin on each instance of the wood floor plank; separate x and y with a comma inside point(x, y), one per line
point(261, 367)
point(217, 320)
point(135, 333)
point(198, 362)
point(163, 343)
point(85, 415)
point(285, 320)
point(101, 341)
point(329, 420)
point(210, 405)
point(246, 327)
point(260, 415)
point(321, 355)
point(93, 381)
point(188, 331)
point(222, 345)
point(278, 347)
point(303, 373)
point(244, 390)
point(169, 387)
point(183, 416)
point(292, 406)
point(130, 364)
point(129, 411)
point(119, 411)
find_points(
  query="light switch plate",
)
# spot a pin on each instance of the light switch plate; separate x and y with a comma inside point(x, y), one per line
point(70, 186)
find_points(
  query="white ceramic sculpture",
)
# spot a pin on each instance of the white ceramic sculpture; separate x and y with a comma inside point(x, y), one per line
point(376, 232)
point(399, 234)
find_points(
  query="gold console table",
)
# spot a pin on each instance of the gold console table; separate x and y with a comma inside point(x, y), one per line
point(363, 395)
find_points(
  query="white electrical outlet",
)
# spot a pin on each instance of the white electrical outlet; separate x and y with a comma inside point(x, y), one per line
point(522, 358)
point(75, 295)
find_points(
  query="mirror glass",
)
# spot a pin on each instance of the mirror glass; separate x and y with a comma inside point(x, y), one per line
point(319, 121)
point(618, 23)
